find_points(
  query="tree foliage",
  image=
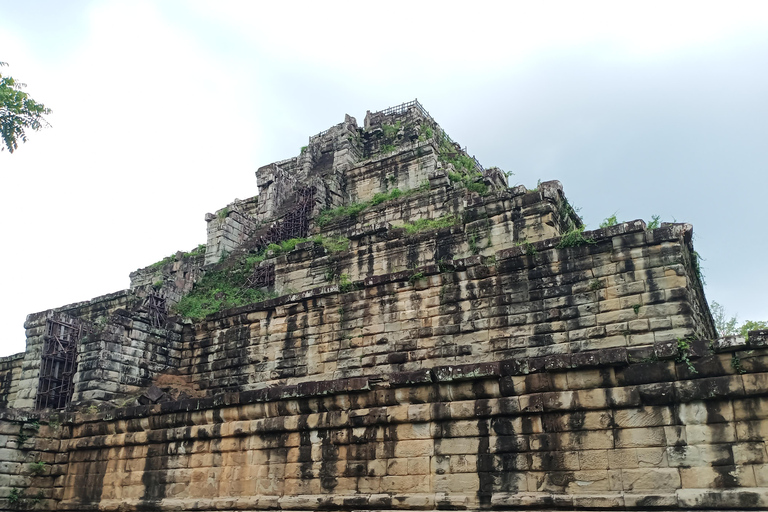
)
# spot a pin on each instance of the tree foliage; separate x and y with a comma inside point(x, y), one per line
point(728, 325)
point(751, 325)
point(18, 113)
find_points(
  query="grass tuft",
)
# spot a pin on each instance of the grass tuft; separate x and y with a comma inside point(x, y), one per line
point(574, 238)
point(430, 224)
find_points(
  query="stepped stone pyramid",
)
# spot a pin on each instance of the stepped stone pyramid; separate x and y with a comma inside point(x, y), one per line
point(388, 325)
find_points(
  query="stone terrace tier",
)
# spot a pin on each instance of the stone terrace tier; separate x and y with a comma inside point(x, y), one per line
point(626, 287)
point(606, 431)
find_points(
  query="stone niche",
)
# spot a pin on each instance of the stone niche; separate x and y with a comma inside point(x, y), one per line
point(434, 340)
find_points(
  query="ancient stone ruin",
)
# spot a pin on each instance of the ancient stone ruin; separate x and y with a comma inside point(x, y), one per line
point(388, 326)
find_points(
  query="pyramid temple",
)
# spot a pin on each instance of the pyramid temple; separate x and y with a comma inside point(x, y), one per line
point(389, 326)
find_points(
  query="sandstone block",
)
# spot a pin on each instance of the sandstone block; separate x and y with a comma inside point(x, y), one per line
point(718, 477)
point(650, 479)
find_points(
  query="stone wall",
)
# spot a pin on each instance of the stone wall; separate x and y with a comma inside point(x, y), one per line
point(406, 168)
point(172, 278)
point(78, 313)
point(629, 287)
point(32, 463)
point(605, 431)
point(10, 372)
point(118, 356)
point(120, 359)
point(227, 230)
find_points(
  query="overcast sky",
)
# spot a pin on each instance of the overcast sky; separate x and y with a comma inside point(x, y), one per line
point(162, 111)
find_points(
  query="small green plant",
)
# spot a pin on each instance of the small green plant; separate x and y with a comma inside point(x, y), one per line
point(445, 265)
point(636, 308)
point(387, 148)
point(468, 181)
point(609, 221)
point(380, 197)
point(15, 496)
point(696, 260)
point(394, 194)
point(157, 284)
point(530, 249)
point(332, 243)
point(345, 283)
point(480, 188)
point(287, 245)
point(655, 222)
point(473, 247)
point(21, 438)
point(223, 213)
point(415, 277)
point(303, 149)
point(54, 424)
point(596, 284)
point(254, 259)
point(428, 133)
point(574, 238)
point(736, 364)
point(18, 499)
point(163, 261)
point(351, 211)
point(684, 354)
point(37, 468)
point(34, 425)
point(430, 224)
point(37, 498)
point(197, 251)
point(566, 213)
point(390, 131)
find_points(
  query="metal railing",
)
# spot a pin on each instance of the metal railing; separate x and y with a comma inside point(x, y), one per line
point(320, 134)
point(403, 108)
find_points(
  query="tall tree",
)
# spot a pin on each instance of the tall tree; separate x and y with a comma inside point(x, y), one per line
point(725, 325)
point(728, 325)
point(18, 113)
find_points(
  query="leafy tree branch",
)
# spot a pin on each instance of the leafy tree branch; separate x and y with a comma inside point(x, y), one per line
point(18, 113)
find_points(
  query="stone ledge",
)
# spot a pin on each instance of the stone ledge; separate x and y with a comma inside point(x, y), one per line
point(519, 254)
point(721, 499)
point(494, 400)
